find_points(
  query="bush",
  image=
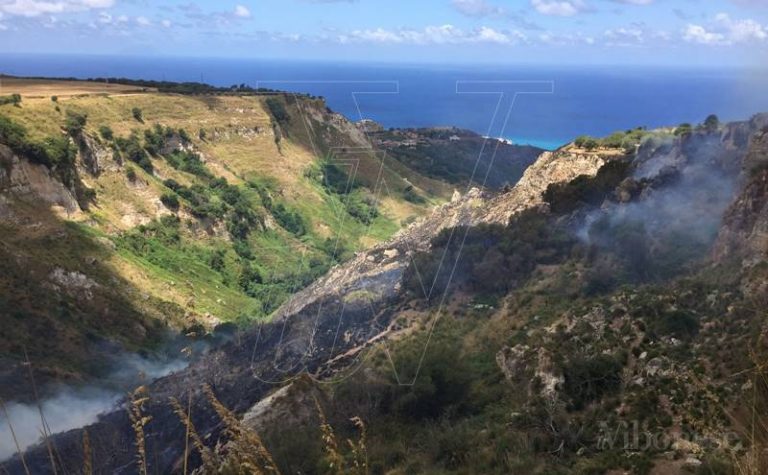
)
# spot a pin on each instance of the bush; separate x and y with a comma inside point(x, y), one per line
point(133, 151)
point(170, 200)
point(277, 109)
point(106, 132)
point(154, 139)
point(130, 173)
point(249, 279)
point(137, 114)
point(290, 220)
point(683, 129)
point(188, 162)
point(589, 379)
point(75, 122)
point(439, 375)
point(54, 98)
point(711, 123)
point(51, 152)
point(14, 99)
point(362, 208)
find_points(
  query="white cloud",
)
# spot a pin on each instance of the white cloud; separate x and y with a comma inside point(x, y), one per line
point(443, 34)
point(559, 7)
point(699, 34)
point(242, 12)
point(476, 8)
point(33, 8)
point(635, 2)
point(143, 21)
point(166, 23)
point(726, 31)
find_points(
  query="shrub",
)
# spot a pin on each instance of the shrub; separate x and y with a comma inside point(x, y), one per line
point(711, 123)
point(133, 151)
point(439, 375)
point(154, 139)
point(137, 114)
point(54, 98)
point(249, 279)
point(362, 208)
point(130, 173)
point(170, 200)
point(51, 152)
point(188, 162)
point(290, 220)
point(683, 129)
point(277, 110)
point(14, 99)
point(106, 132)
point(75, 122)
point(589, 379)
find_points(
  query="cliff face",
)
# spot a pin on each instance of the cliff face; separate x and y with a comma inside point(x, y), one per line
point(25, 181)
point(745, 225)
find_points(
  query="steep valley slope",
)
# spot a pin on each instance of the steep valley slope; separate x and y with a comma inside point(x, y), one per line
point(606, 314)
point(151, 221)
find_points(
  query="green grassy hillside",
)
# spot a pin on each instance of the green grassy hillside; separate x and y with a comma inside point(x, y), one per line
point(192, 210)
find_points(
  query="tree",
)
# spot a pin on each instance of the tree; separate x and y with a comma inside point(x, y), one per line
point(591, 144)
point(711, 123)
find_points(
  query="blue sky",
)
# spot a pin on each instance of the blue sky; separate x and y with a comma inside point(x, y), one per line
point(694, 32)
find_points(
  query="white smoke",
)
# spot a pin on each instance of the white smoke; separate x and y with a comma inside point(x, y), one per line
point(70, 408)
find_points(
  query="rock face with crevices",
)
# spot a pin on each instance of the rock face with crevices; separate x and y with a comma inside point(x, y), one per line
point(24, 180)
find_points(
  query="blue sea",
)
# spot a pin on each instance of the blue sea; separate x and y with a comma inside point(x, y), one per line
point(551, 105)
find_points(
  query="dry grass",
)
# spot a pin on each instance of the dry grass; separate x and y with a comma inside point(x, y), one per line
point(138, 420)
point(45, 88)
point(357, 460)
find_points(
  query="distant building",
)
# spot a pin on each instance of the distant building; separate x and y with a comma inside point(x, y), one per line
point(454, 138)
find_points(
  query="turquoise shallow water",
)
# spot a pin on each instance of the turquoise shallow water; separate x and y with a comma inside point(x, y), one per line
point(557, 104)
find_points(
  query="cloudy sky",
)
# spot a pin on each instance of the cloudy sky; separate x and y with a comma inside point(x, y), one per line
point(699, 32)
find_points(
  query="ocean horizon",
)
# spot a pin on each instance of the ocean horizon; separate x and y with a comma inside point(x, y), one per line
point(567, 101)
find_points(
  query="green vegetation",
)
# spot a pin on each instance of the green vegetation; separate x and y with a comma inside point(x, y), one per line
point(137, 114)
point(278, 111)
point(170, 200)
point(711, 123)
point(132, 149)
point(14, 99)
point(53, 152)
point(75, 123)
point(626, 140)
point(106, 133)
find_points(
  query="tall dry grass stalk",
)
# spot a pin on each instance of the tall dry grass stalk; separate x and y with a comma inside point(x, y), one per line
point(13, 435)
point(87, 454)
point(245, 450)
point(358, 450)
point(206, 455)
point(138, 421)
